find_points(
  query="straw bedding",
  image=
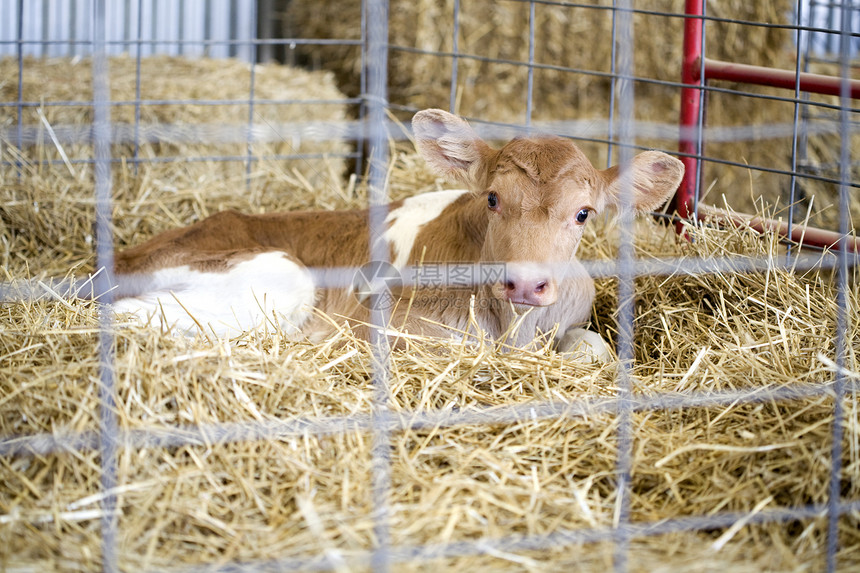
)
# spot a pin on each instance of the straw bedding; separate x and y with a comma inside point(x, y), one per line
point(299, 496)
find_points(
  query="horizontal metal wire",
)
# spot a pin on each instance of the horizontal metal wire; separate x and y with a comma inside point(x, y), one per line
point(398, 421)
point(587, 130)
point(344, 277)
point(333, 557)
point(165, 102)
point(267, 131)
point(193, 159)
point(200, 42)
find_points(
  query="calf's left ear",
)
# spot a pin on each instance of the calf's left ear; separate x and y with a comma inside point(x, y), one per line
point(655, 177)
point(450, 146)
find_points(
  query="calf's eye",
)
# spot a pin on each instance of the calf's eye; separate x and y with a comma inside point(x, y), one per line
point(582, 216)
point(492, 201)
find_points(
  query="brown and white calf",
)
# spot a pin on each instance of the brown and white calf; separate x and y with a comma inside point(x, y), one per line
point(525, 206)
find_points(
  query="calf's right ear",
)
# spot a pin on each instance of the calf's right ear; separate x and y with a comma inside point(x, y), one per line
point(654, 176)
point(451, 147)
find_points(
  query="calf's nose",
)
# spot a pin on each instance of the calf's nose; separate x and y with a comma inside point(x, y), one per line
point(534, 292)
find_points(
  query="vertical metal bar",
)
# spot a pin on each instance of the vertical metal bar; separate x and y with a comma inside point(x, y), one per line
point(233, 29)
point(792, 188)
point(252, 53)
point(691, 106)
point(841, 341)
point(377, 99)
point(455, 59)
point(831, 25)
point(194, 32)
point(803, 140)
point(246, 14)
point(108, 426)
point(137, 86)
point(73, 29)
point(700, 124)
point(153, 29)
point(180, 28)
point(625, 268)
point(45, 31)
point(266, 30)
point(19, 130)
point(69, 22)
point(531, 67)
point(207, 29)
point(361, 140)
point(610, 128)
point(126, 25)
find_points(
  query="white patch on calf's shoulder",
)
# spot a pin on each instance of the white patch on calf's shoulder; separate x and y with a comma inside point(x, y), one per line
point(406, 221)
point(267, 288)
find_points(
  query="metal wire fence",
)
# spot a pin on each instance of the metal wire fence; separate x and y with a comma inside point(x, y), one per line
point(620, 133)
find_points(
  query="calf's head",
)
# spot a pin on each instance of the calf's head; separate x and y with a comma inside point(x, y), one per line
point(540, 193)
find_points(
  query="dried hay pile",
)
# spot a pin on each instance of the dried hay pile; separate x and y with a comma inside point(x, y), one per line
point(301, 496)
point(578, 37)
point(179, 94)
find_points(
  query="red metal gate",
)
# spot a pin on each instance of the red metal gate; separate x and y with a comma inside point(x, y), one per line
point(697, 70)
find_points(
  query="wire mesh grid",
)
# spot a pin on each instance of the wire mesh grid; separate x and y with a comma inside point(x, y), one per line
point(621, 136)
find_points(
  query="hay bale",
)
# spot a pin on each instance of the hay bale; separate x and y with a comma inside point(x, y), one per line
point(187, 94)
point(46, 210)
point(564, 37)
point(300, 495)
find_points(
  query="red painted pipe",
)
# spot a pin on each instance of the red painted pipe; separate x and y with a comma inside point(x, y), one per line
point(690, 108)
point(760, 75)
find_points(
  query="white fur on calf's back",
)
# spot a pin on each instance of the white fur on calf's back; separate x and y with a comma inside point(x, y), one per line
point(269, 287)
